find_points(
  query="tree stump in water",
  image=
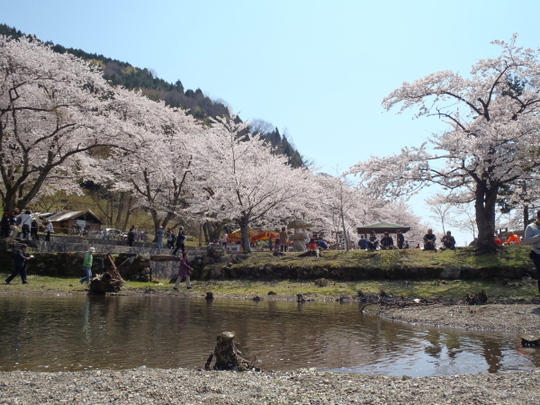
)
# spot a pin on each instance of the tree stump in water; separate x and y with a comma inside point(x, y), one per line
point(228, 357)
point(110, 281)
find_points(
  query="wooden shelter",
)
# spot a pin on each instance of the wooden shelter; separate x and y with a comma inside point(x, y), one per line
point(381, 227)
point(69, 221)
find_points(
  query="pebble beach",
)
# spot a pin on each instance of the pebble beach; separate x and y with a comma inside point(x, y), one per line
point(182, 386)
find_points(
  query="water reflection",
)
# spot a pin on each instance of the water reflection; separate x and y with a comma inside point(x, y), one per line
point(75, 333)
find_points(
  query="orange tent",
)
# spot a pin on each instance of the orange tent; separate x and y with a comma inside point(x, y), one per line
point(254, 235)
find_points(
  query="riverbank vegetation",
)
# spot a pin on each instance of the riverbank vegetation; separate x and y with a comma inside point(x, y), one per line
point(498, 289)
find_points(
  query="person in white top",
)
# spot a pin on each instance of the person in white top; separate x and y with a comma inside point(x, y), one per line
point(25, 220)
point(49, 229)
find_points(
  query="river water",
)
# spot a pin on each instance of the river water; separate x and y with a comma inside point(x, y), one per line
point(58, 333)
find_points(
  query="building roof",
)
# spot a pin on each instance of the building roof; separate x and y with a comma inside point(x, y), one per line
point(381, 227)
point(67, 215)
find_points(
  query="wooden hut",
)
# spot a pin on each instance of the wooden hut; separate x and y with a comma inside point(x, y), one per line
point(72, 222)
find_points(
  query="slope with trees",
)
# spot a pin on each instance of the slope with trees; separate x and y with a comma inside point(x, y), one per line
point(54, 111)
point(194, 102)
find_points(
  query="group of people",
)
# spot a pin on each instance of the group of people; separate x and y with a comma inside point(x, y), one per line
point(430, 239)
point(176, 242)
point(372, 242)
point(512, 239)
point(26, 225)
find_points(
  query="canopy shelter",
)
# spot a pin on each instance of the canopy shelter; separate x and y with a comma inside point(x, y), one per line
point(382, 227)
point(254, 235)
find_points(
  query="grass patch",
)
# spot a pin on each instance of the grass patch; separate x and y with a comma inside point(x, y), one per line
point(511, 256)
point(288, 289)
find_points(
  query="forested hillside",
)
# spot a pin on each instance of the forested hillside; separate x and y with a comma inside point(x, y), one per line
point(198, 105)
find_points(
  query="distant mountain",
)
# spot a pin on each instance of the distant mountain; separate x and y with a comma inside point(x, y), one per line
point(174, 95)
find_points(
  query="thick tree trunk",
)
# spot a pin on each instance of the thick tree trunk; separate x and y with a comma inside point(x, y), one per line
point(244, 228)
point(485, 203)
point(212, 231)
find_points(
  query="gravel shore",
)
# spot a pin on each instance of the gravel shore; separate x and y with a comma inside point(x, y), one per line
point(182, 386)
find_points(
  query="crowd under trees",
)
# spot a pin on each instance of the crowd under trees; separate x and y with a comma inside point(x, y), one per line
point(63, 125)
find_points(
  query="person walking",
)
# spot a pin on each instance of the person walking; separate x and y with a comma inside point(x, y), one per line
point(184, 272)
point(25, 221)
point(180, 241)
point(34, 228)
point(160, 233)
point(21, 259)
point(87, 266)
point(532, 237)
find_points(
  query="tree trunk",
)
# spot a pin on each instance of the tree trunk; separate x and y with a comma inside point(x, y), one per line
point(212, 231)
point(485, 203)
point(345, 234)
point(244, 228)
point(525, 216)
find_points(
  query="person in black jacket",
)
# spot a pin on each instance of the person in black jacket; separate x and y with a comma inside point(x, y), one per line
point(34, 228)
point(429, 240)
point(180, 241)
point(387, 242)
point(131, 236)
point(21, 258)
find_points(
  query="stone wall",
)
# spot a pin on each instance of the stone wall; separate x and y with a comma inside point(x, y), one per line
point(63, 257)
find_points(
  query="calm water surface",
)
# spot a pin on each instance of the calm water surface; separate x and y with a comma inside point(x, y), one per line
point(80, 333)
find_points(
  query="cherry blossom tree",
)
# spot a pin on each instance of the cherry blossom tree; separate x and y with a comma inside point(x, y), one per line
point(337, 206)
point(54, 112)
point(493, 140)
point(156, 166)
point(242, 181)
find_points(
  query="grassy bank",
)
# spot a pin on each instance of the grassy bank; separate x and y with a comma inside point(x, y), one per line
point(508, 257)
point(524, 290)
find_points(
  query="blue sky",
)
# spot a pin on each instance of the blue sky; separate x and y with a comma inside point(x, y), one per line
point(316, 70)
